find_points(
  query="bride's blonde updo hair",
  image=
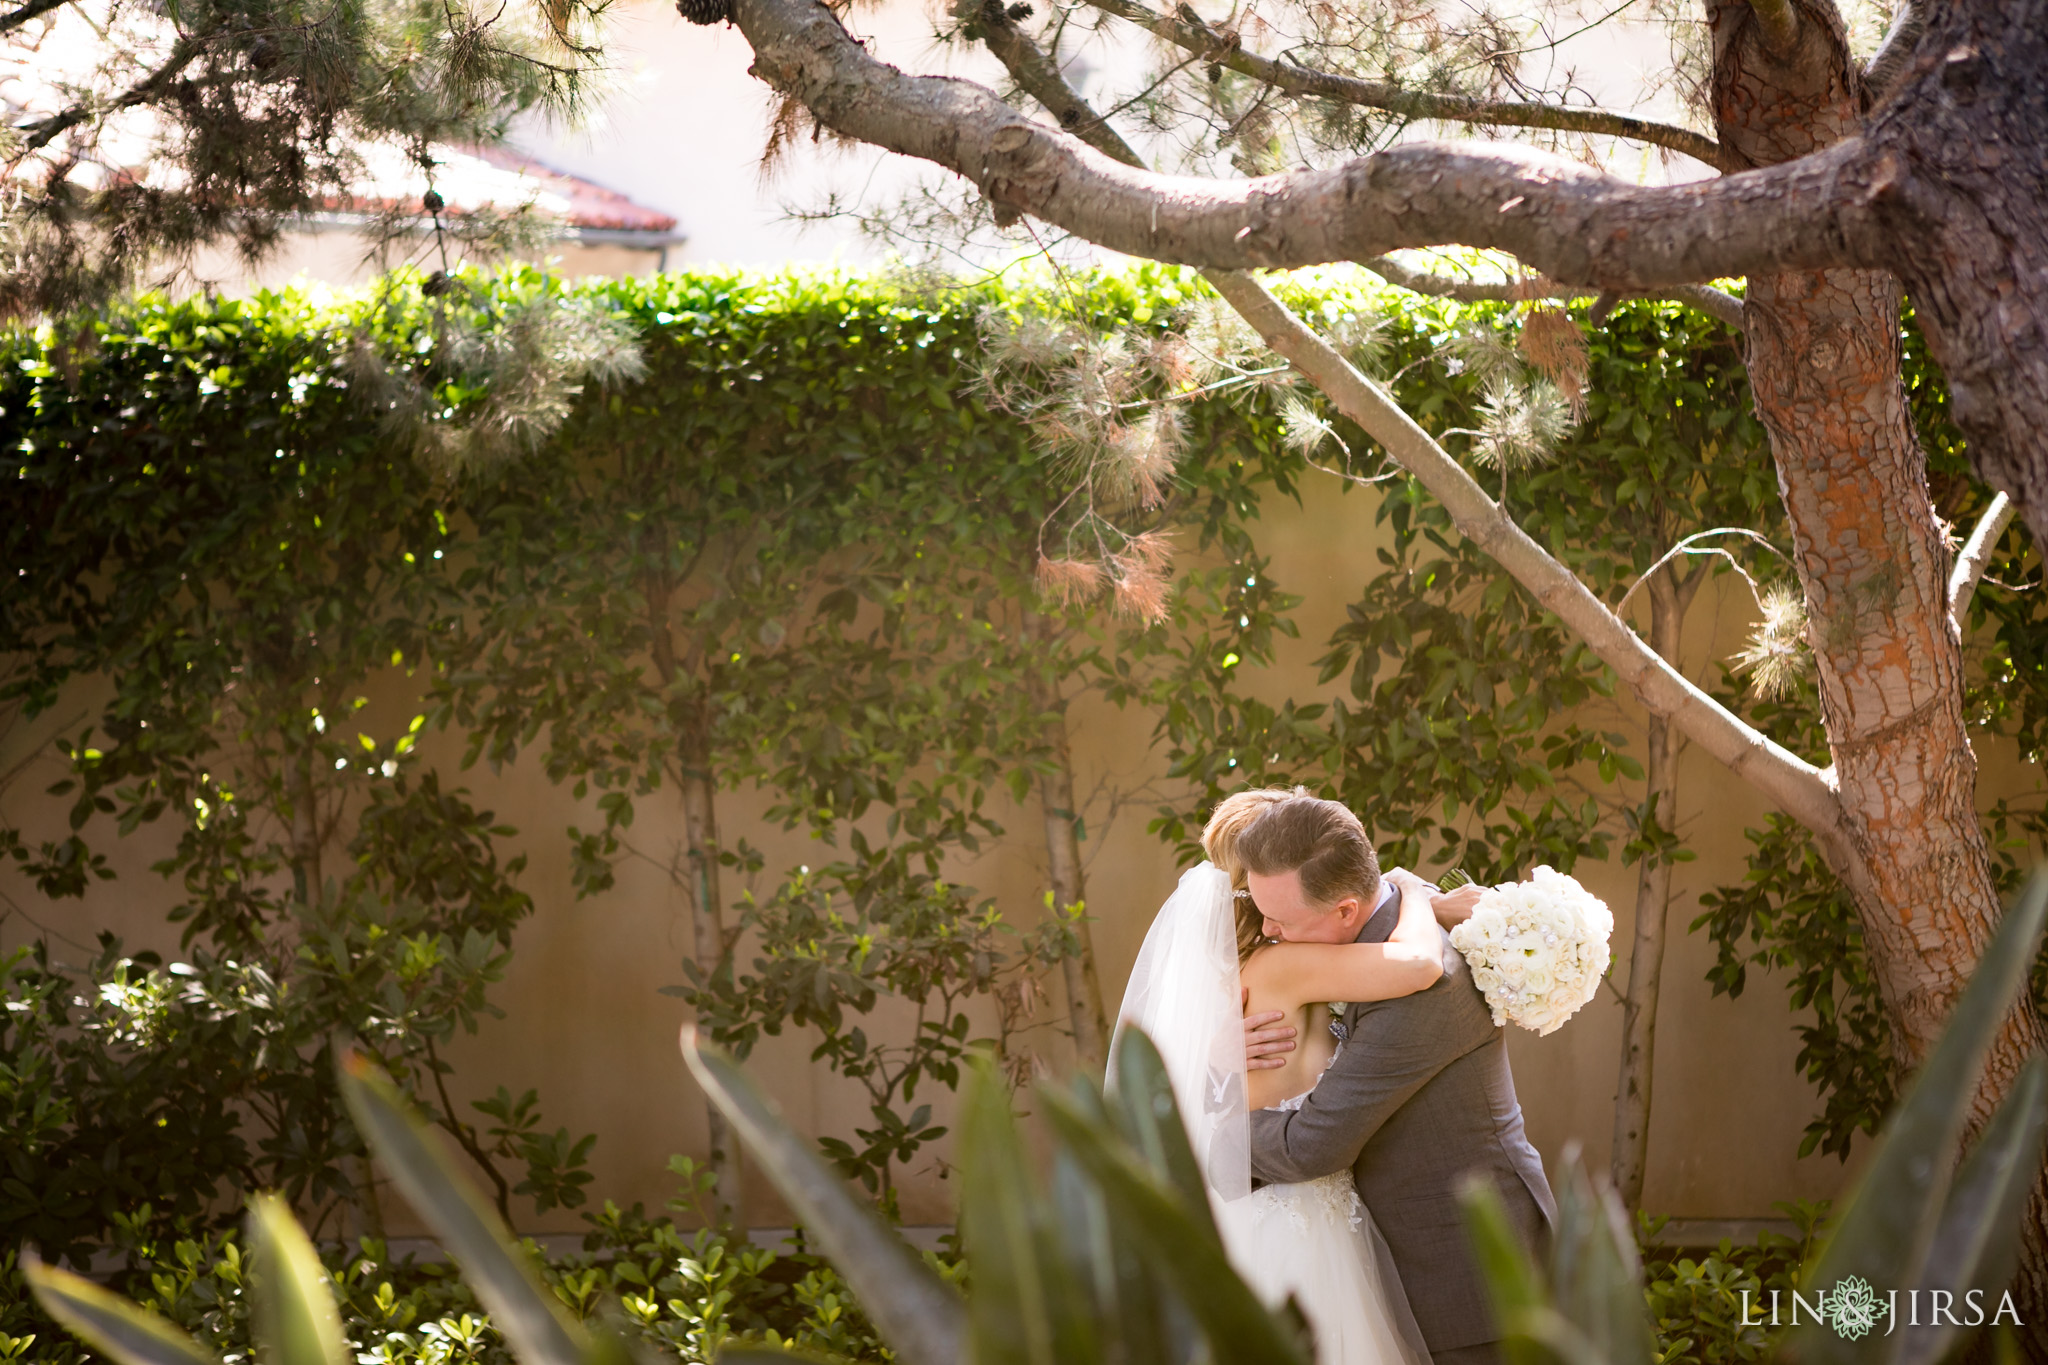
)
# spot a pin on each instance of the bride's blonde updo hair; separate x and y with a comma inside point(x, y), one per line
point(1219, 841)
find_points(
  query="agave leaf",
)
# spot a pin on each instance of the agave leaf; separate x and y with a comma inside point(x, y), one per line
point(1884, 1236)
point(1596, 1279)
point(125, 1331)
point(1977, 1244)
point(1180, 1243)
point(1141, 1323)
point(1533, 1333)
point(1026, 1308)
point(295, 1319)
point(502, 1274)
point(920, 1316)
point(1142, 1105)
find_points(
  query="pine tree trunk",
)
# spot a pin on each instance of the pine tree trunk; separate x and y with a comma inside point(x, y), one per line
point(1873, 560)
point(1653, 901)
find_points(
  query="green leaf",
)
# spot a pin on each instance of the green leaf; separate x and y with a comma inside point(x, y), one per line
point(1595, 1276)
point(1890, 1223)
point(1513, 1285)
point(125, 1331)
point(1141, 1104)
point(1977, 1244)
point(1180, 1241)
point(920, 1316)
point(1024, 1307)
point(295, 1318)
point(501, 1273)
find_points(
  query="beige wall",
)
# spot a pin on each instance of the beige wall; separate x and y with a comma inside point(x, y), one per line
point(585, 1023)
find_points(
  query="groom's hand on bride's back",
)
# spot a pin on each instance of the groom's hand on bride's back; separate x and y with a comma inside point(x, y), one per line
point(1267, 1041)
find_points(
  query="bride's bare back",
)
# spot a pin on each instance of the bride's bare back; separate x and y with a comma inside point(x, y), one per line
point(1298, 979)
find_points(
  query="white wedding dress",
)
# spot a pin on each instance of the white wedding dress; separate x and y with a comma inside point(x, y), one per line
point(1314, 1240)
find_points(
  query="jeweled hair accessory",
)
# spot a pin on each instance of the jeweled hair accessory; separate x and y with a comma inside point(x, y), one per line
point(1242, 893)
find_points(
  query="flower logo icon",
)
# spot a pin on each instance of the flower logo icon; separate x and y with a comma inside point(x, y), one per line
point(1853, 1307)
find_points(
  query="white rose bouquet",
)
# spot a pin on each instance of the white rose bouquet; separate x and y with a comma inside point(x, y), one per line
point(1537, 949)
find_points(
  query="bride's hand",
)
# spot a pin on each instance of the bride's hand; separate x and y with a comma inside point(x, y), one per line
point(1451, 908)
point(1266, 1041)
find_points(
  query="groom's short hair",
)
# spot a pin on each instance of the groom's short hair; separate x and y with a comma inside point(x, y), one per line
point(1318, 839)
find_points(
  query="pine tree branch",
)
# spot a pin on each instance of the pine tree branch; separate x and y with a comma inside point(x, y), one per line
point(1037, 76)
point(1787, 780)
point(1190, 31)
point(34, 9)
point(39, 134)
point(1975, 556)
point(1790, 782)
point(1896, 52)
point(1564, 219)
point(1715, 303)
point(1778, 22)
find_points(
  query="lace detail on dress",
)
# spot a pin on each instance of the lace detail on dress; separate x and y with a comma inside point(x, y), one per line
point(1328, 1195)
point(1335, 1193)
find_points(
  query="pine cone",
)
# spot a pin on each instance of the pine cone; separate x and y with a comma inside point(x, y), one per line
point(705, 11)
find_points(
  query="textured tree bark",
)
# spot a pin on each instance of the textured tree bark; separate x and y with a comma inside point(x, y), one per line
point(1653, 902)
point(1970, 212)
point(1085, 1014)
point(1873, 561)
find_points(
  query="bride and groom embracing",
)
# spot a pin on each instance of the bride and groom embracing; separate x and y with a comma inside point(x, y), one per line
point(1341, 1078)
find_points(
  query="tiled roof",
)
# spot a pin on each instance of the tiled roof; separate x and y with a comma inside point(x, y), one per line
point(475, 178)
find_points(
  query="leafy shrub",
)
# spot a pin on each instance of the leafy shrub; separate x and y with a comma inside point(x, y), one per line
point(687, 1293)
point(1696, 1300)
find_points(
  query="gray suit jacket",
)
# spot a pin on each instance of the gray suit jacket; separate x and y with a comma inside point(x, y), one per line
point(1419, 1098)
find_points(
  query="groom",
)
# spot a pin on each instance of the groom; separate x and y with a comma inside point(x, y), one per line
point(1419, 1100)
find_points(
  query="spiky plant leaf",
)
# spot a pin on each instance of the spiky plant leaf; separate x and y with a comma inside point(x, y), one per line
point(295, 1319)
point(502, 1274)
point(1514, 1286)
point(1027, 1307)
point(1142, 1107)
point(1977, 1244)
point(1884, 1236)
point(1178, 1240)
point(1596, 1278)
point(126, 1332)
point(920, 1316)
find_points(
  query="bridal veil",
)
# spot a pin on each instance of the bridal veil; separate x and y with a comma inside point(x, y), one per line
point(1184, 994)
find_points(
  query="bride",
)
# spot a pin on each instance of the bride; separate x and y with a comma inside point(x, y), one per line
point(1205, 963)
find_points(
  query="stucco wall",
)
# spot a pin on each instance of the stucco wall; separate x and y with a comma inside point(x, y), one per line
point(584, 1021)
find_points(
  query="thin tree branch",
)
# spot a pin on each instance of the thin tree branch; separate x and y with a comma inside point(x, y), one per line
point(1685, 547)
point(1896, 52)
point(1189, 30)
point(1566, 220)
point(1793, 784)
point(1778, 22)
point(1975, 556)
point(34, 9)
point(1787, 780)
point(39, 134)
point(1715, 303)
